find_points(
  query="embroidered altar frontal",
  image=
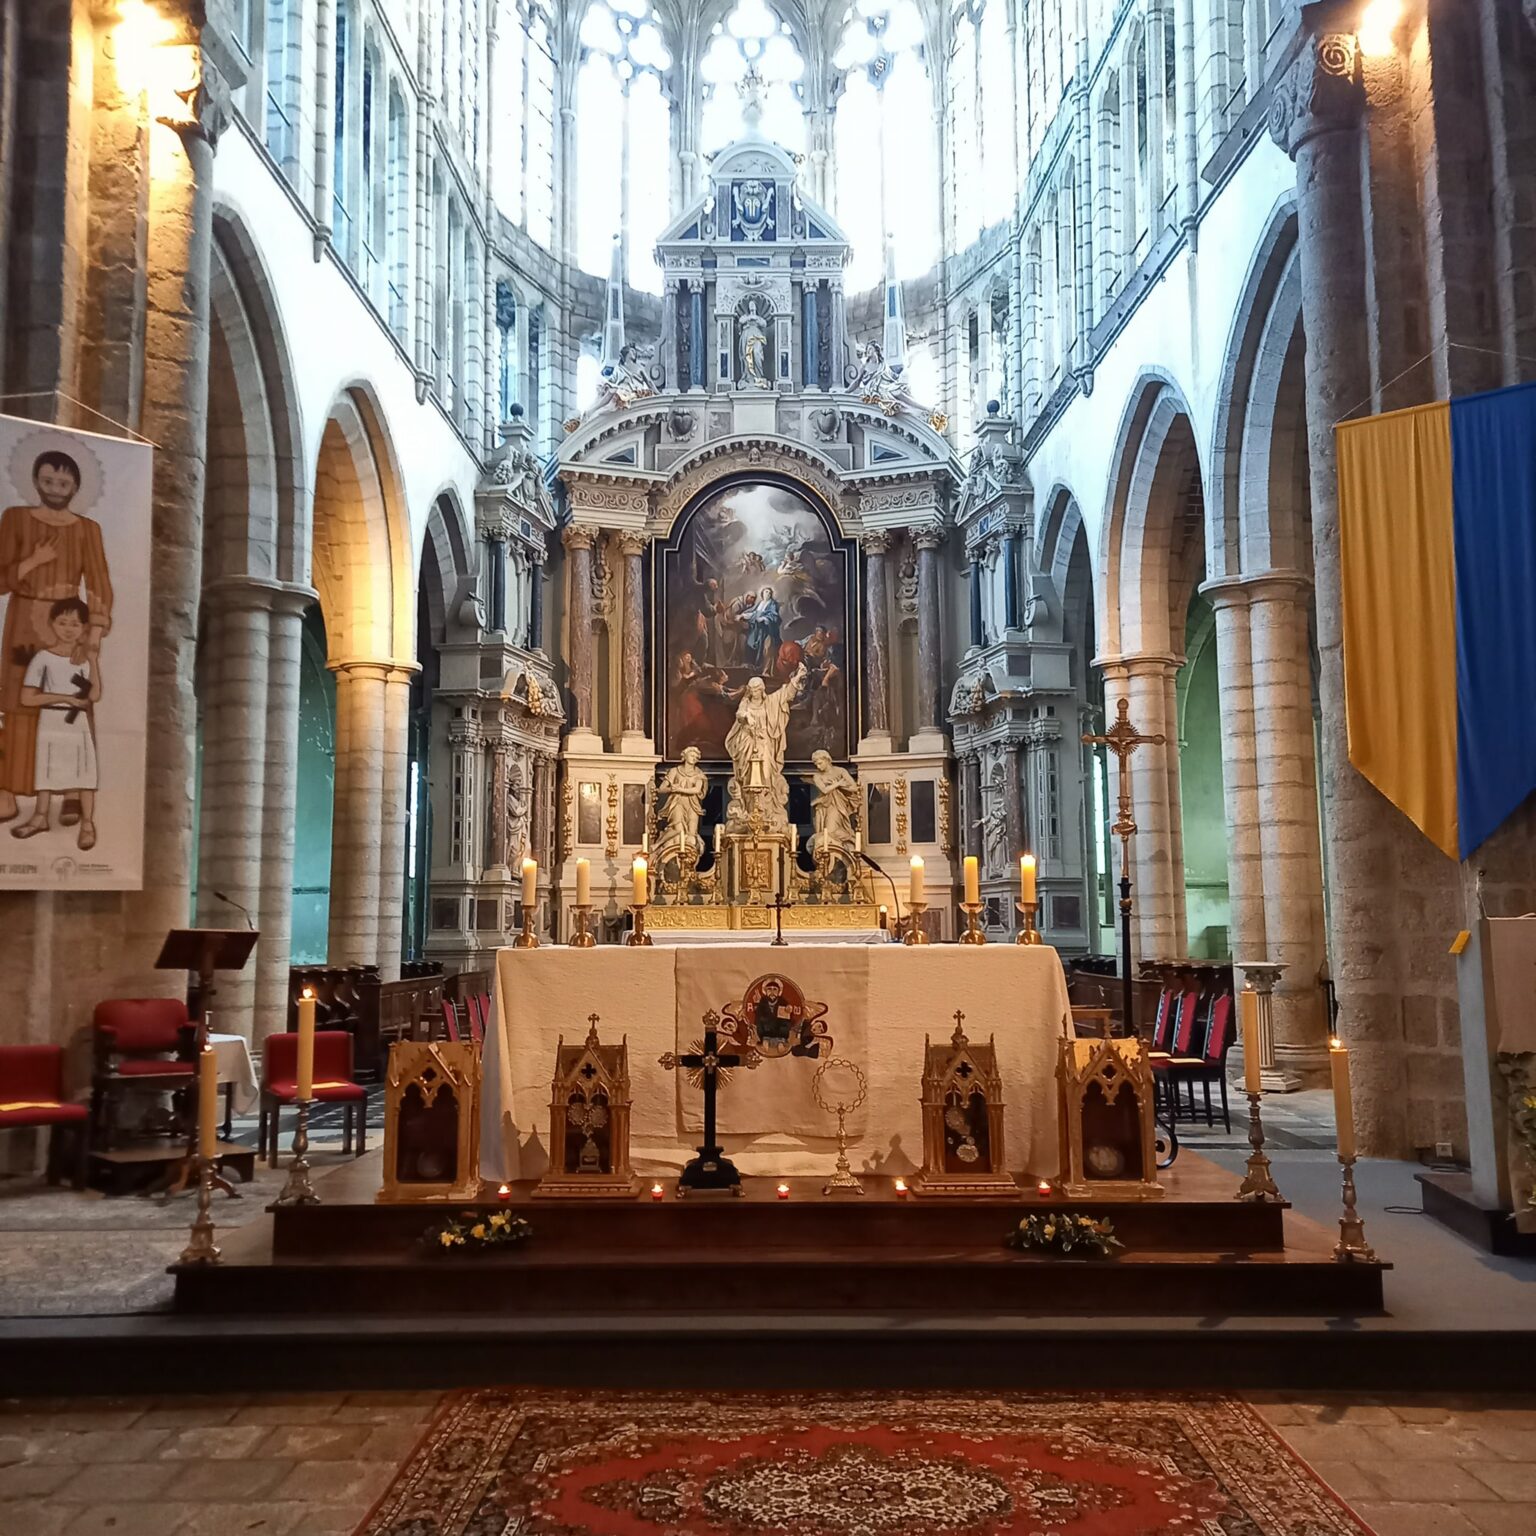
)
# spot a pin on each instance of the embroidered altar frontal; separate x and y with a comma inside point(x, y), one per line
point(871, 1005)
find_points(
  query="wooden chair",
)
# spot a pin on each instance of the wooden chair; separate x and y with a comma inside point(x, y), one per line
point(332, 1084)
point(139, 1044)
point(1209, 1065)
point(32, 1094)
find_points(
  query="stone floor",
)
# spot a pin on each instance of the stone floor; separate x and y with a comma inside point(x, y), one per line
point(300, 1465)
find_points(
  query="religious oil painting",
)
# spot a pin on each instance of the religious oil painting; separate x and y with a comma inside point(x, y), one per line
point(755, 585)
point(74, 644)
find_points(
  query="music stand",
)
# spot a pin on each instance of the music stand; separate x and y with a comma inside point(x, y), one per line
point(203, 951)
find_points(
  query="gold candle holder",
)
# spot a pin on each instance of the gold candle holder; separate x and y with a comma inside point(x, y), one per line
point(973, 933)
point(1352, 1247)
point(1257, 1186)
point(913, 932)
point(1028, 934)
point(298, 1190)
point(581, 939)
point(638, 937)
point(527, 939)
point(201, 1248)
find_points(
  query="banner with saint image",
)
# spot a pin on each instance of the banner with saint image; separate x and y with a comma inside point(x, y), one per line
point(75, 522)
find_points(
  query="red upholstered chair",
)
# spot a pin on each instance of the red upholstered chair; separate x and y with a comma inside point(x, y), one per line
point(140, 1044)
point(1209, 1064)
point(332, 1085)
point(477, 1008)
point(1172, 1038)
point(32, 1093)
point(451, 1020)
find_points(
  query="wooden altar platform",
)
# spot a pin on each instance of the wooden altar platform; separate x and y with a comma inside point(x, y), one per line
point(1196, 1252)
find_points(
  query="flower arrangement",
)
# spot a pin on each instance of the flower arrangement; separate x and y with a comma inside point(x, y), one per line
point(1056, 1232)
point(476, 1230)
point(1518, 1069)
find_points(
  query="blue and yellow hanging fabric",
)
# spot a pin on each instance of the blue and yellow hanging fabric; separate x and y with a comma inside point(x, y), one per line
point(1437, 535)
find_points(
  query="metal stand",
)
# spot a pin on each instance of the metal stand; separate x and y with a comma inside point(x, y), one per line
point(1028, 934)
point(843, 1176)
point(1352, 1247)
point(914, 933)
point(581, 939)
point(638, 937)
point(527, 939)
point(201, 1248)
point(779, 906)
point(1257, 1185)
point(973, 933)
point(298, 1190)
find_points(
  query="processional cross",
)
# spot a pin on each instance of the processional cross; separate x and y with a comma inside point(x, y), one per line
point(711, 1169)
point(1122, 738)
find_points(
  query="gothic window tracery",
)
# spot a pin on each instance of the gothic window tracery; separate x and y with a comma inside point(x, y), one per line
point(752, 38)
point(981, 100)
point(523, 135)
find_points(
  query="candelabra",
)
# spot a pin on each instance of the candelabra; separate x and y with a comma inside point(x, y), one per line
point(298, 1190)
point(527, 939)
point(638, 937)
point(1352, 1247)
point(1028, 934)
point(201, 1248)
point(914, 932)
point(1257, 1186)
point(581, 939)
point(973, 933)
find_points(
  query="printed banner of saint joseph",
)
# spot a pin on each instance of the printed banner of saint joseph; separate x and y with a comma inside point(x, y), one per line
point(74, 654)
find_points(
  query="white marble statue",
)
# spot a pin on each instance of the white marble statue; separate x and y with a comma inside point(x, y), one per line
point(835, 809)
point(878, 383)
point(621, 384)
point(519, 812)
point(755, 743)
point(685, 786)
point(994, 840)
point(754, 348)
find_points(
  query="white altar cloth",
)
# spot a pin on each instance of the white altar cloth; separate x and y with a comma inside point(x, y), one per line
point(1015, 992)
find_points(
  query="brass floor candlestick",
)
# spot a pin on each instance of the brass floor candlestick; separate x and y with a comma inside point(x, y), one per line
point(1028, 934)
point(201, 1248)
point(1257, 1184)
point(581, 939)
point(1352, 1247)
point(298, 1190)
point(527, 939)
point(914, 932)
point(973, 933)
point(638, 937)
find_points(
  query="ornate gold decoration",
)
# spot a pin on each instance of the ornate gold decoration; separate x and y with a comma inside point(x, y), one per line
point(1107, 1095)
point(962, 1107)
point(901, 814)
point(939, 421)
point(567, 817)
point(945, 844)
point(420, 1071)
point(613, 816)
point(843, 1176)
point(589, 1110)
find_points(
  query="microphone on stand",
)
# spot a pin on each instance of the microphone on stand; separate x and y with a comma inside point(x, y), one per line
point(885, 875)
point(220, 896)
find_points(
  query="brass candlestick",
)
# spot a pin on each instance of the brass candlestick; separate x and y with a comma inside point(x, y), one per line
point(201, 1248)
point(581, 939)
point(527, 939)
point(1028, 934)
point(638, 937)
point(298, 1190)
point(1352, 1247)
point(973, 933)
point(1257, 1184)
point(914, 933)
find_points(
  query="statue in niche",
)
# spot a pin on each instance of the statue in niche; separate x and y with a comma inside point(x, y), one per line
point(835, 809)
point(754, 348)
point(994, 839)
point(685, 786)
point(519, 811)
point(755, 743)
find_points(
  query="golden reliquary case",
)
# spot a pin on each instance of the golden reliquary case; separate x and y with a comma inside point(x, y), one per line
point(589, 1122)
point(1108, 1120)
point(962, 1107)
point(432, 1121)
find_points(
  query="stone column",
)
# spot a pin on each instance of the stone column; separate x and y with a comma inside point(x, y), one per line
point(1158, 884)
point(928, 540)
point(1013, 551)
point(578, 541)
point(394, 762)
point(877, 685)
point(970, 842)
point(1173, 766)
point(500, 853)
point(356, 846)
point(1017, 779)
point(536, 600)
point(632, 635)
point(543, 777)
point(1288, 830)
point(496, 554)
point(978, 637)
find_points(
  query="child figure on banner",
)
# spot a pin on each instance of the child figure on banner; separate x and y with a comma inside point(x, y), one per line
point(63, 691)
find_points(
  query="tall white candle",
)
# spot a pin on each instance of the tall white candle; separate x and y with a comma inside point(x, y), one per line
point(641, 891)
point(530, 883)
point(972, 881)
point(1027, 879)
point(915, 891)
point(304, 1074)
point(583, 883)
point(207, 1104)
point(1248, 1001)
point(1343, 1097)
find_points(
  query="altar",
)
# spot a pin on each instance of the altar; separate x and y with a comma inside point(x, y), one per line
point(880, 1004)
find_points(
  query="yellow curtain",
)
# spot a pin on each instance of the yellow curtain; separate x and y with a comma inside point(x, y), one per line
point(1399, 583)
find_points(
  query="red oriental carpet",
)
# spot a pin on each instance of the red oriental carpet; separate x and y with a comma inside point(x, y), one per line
point(542, 1463)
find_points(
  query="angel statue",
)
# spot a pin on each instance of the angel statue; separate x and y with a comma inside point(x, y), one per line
point(619, 386)
point(994, 838)
point(685, 786)
point(835, 808)
point(878, 383)
point(754, 348)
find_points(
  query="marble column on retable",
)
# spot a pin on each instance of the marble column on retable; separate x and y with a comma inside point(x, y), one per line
point(928, 540)
point(971, 769)
point(632, 638)
point(877, 696)
point(978, 636)
point(535, 639)
point(578, 541)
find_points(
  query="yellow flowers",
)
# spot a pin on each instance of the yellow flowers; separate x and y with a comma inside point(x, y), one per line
point(447, 1239)
point(499, 1220)
point(478, 1232)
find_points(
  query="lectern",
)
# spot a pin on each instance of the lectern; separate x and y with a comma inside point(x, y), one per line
point(204, 951)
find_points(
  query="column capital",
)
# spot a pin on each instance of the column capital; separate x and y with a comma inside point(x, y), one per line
point(1149, 663)
point(877, 541)
point(260, 592)
point(1322, 90)
point(631, 544)
point(578, 536)
point(386, 670)
point(929, 535)
point(1256, 586)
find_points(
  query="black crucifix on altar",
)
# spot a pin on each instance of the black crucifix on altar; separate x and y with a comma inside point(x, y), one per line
point(709, 1066)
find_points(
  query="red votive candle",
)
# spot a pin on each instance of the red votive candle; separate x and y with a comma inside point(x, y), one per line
point(657, 1192)
point(504, 1194)
point(1043, 1187)
point(783, 1191)
point(901, 1189)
